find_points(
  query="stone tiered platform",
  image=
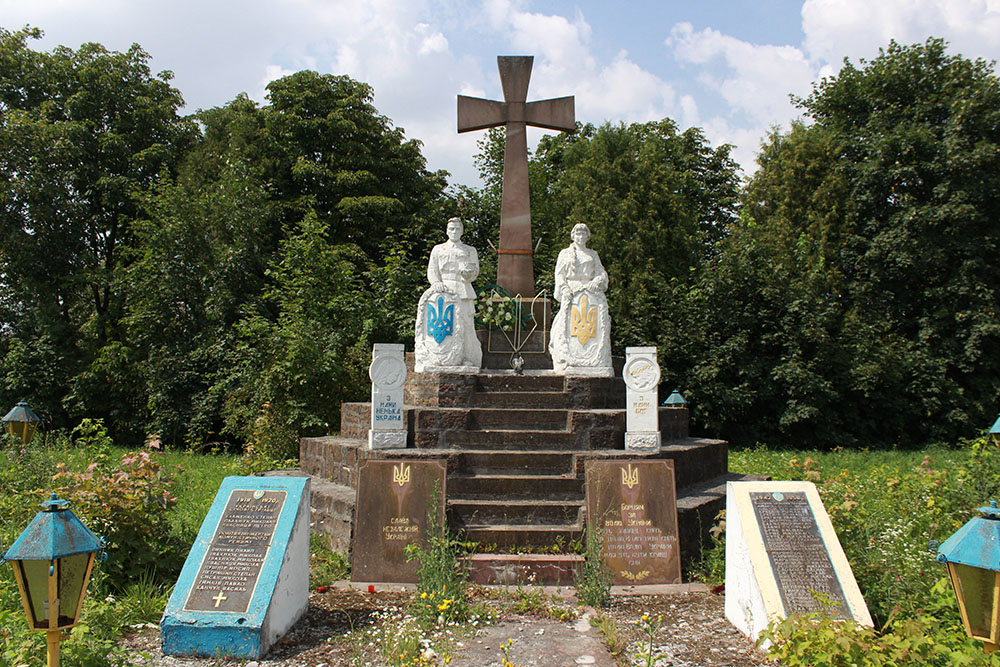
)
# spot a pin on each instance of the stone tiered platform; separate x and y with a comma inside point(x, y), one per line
point(516, 448)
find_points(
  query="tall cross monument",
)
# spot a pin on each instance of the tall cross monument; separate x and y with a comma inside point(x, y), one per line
point(515, 268)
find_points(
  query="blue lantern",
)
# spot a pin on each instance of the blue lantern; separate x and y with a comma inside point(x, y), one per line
point(972, 557)
point(21, 422)
point(52, 561)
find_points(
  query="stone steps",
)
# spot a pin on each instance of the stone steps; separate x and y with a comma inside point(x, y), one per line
point(518, 419)
point(515, 487)
point(465, 512)
point(505, 382)
point(510, 440)
point(548, 400)
point(491, 462)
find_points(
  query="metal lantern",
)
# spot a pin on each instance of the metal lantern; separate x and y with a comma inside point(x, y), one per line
point(995, 432)
point(21, 422)
point(674, 400)
point(52, 561)
point(972, 557)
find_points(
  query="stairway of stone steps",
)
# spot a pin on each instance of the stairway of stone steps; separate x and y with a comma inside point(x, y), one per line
point(515, 480)
point(516, 448)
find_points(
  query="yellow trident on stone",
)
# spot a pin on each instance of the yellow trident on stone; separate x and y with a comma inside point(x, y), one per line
point(583, 322)
point(401, 474)
point(630, 477)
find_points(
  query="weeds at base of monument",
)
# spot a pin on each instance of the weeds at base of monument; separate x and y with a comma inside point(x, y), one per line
point(649, 628)
point(593, 585)
point(443, 582)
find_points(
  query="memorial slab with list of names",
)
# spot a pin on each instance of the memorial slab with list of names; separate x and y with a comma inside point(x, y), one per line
point(783, 557)
point(246, 579)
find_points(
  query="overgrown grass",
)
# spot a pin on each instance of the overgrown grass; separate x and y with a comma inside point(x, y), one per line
point(115, 603)
point(889, 508)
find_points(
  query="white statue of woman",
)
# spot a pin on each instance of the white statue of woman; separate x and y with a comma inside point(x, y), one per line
point(580, 341)
point(446, 330)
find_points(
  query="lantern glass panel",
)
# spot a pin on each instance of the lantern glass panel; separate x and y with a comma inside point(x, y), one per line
point(72, 582)
point(23, 432)
point(976, 587)
point(35, 578)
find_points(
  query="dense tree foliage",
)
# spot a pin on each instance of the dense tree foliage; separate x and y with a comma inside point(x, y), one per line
point(859, 298)
point(309, 215)
point(224, 275)
point(81, 134)
point(655, 201)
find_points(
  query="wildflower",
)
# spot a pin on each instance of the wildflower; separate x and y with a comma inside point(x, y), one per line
point(423, 595)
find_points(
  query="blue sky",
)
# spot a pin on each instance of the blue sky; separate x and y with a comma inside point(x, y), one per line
point(726, 66)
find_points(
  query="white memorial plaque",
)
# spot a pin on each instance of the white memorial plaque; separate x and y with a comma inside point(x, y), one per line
point(387, 372)
point(642, 378)
point(783, 557)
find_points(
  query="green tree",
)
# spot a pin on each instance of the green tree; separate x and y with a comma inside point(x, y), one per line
point(655, 200)
point(877, 222)
point(81, 133)
point(306, 224)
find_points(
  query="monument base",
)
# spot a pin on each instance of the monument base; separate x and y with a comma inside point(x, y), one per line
point(642, 441)
point(456, 370)
point(386, 439)
point(590, 371)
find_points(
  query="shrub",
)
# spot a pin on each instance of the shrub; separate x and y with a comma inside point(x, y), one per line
point(127, 504)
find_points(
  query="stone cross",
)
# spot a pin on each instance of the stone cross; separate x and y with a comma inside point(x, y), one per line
point(515, 268)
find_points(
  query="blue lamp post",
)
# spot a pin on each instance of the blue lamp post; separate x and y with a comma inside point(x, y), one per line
point(995, 432)
point(972, 557)
point(52, 561)
point(21, 422)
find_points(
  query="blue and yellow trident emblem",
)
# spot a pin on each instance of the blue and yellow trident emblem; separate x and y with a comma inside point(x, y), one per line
point(401, 474)
point(440, 320)
point(583, 322)
point(630, 476)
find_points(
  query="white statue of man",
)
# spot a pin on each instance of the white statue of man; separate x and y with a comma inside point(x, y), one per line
point(446, 336)
point(580, 340)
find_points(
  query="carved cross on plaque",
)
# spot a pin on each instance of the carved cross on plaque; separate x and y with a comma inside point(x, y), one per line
point(515, 268)
point(220, 598)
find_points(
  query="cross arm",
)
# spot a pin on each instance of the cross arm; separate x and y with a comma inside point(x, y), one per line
point(554, 114)
point(475, 113)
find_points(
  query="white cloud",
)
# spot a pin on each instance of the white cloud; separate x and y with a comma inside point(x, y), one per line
point(858, 28)
point(753, 78)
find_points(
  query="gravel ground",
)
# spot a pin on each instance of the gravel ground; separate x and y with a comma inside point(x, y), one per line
point(694, 633)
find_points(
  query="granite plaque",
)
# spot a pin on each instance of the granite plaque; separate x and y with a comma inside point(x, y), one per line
point(797, 554)
point(391, 513)
point(634, 505)
point(246, 579)
point(783, 557)
point(229, 571)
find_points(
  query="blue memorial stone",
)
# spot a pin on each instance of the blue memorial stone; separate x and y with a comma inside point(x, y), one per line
point(246, 579)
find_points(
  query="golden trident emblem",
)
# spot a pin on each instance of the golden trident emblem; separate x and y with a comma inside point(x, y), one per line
point(401, 474)
point(630, 477)
point(583, 322)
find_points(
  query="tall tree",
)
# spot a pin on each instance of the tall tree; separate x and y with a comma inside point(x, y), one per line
point(655, 200)
point(307, 218)
point(888, 205)
point(81, 133)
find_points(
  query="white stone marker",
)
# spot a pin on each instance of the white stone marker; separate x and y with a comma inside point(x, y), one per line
point(783, 557)
point(387, 372)
point(642, 378)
